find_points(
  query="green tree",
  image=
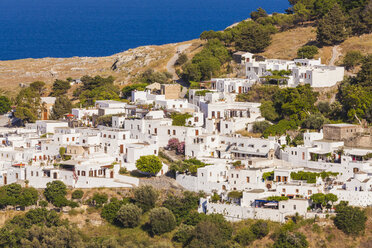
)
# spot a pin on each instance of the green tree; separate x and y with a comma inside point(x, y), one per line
point(55, 192)
point(331, 198)
point(5, 105)
point(301, 12)
point(61, 107)
point(38, 87)
point(110, 210)
point(331, 28)
point(322, 7)
point(355, 100)
point(129, 215)
point(29, 197)
point(191, 72)
point(183, 234)
point(98, 199)
point(364, 76)
point(61, 236)
point(181, 207)
point(260, 126)
point(315, 121)
point(268, 111)
point(260, 12)
point(150, 164)
point(60, 87)
point(245, 236)
point(307, 52)
point(319, 199)
point(25, 114)
point(145, 197)
point(161, 220)
point(182, 59)
point(352, 59)
point(350, 220)
point(214, 231)
point(292, 240)
point(260, 229)
point(253, 38)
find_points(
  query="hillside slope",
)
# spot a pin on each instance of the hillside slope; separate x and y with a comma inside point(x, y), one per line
point(284, 45)
point(123, 66)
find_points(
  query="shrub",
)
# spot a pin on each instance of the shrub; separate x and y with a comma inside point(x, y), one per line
point(350, 220)
point(215, 198)
point(260, 126)
point(293, 240)
point(129, 215)
point(98, 199)
point(245, 236)
point(123, 171)
point(43, 203)
point(110, 210)
point(277, 198)
point(150, 164)
point(307, 52)
point(183, 234)
point(180, 119)
point(260, 229)
point(162, 220)
point(182, 59)
point(352, 59)
point(77, 194)
point(145, 197)
point(173, 143)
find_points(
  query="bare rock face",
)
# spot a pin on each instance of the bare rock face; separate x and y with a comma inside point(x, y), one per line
point(135, 58)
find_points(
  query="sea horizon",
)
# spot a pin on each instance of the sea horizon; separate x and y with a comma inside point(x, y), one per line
point(92, 28)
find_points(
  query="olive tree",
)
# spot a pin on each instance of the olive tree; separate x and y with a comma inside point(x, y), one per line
point(129, 215)
point(162, 220)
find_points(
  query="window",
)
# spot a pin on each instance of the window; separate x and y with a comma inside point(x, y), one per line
point(32, 173)
point(283, 190)
point(154, 151)
point(232, 175)
point(68, 139)
point(37, 173)
point(210, 174)
point(309, 192)
point(174, 132)
point(294, 207)
point(237, 175)
point(247, 179)
point(297, 191)
point(196, 119)
point(168, 131)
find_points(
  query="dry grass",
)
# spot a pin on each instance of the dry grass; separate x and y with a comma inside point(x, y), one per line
point(361, 43)
point(325, 53)
point(248, 134)
point(284, 45)
point(133, 62)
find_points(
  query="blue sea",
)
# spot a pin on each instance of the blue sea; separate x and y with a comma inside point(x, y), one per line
point(66, 28)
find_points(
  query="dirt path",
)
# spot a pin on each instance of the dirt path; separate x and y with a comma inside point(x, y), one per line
point(172, 61)
point(335, 55)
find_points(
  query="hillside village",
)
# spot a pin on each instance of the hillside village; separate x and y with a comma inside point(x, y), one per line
point(258, 135)
point(244, 177)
